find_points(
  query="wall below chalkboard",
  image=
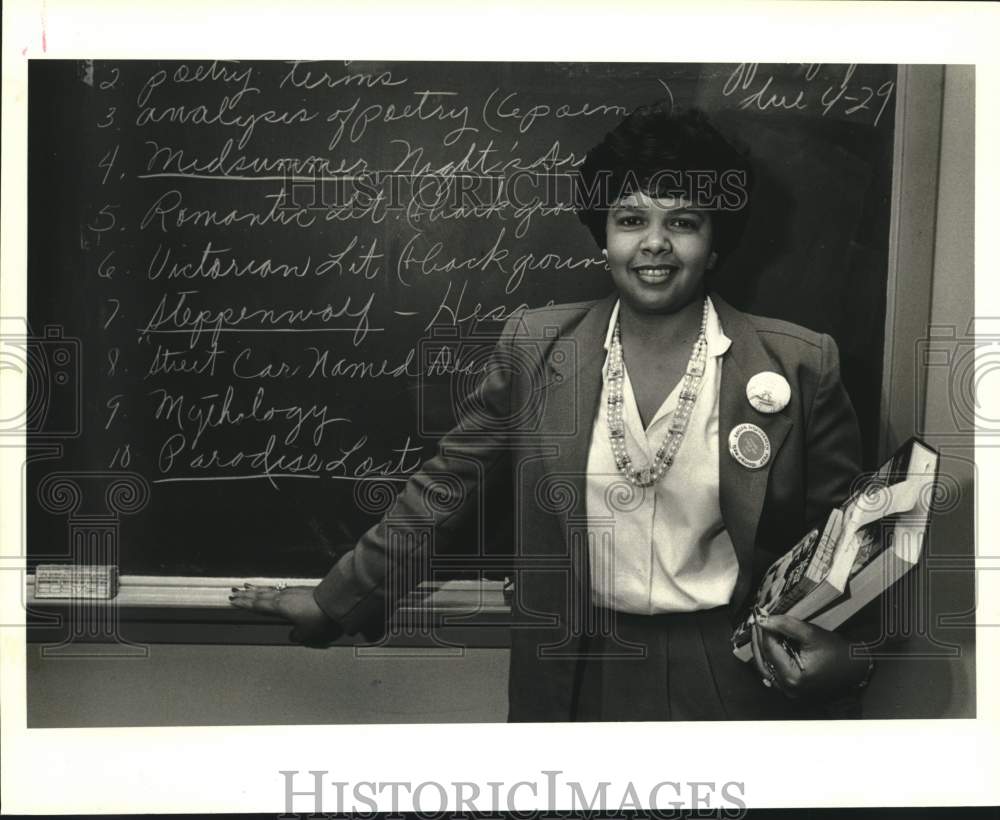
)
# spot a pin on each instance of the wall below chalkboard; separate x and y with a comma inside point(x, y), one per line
point(270, 686)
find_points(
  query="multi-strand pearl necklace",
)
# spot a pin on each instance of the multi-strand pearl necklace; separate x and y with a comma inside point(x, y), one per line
point(667, 451)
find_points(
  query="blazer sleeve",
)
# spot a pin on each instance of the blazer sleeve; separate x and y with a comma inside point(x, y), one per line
point(833, 440)
point(364, 587)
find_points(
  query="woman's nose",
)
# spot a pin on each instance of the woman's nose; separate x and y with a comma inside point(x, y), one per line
point(656, 240)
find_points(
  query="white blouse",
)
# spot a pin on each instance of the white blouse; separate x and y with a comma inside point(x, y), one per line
point(662, 548)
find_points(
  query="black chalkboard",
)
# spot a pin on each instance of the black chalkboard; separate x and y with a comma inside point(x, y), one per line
point(207, 307)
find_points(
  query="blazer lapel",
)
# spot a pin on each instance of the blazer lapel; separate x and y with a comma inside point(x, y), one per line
point(742, 489)
point(571, 400)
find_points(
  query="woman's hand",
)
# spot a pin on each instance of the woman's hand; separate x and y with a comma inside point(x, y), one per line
point(802, 660)
point(311, 626)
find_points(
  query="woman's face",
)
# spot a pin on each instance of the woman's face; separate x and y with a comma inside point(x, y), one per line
point(658, 252)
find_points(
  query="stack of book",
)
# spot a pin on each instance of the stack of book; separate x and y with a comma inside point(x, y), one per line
point(868, 543)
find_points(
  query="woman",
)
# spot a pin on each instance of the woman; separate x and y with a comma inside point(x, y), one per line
point(658, 449)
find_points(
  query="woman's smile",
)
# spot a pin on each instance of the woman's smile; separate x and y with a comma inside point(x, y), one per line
point(654, 274)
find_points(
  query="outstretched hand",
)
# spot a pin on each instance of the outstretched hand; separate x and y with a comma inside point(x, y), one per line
point(803, 660)
point(310, 625)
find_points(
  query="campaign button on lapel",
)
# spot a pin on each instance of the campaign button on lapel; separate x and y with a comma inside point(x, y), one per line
point(768, 392)
point(750, 446)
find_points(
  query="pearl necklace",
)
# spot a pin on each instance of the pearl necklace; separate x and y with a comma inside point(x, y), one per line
point(664, 458)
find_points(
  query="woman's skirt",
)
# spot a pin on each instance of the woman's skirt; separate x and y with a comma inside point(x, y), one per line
point(673, 667)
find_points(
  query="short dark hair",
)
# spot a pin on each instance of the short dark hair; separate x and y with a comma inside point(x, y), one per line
point(660, 151)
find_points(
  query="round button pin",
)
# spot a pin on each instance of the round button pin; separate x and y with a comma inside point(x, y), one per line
point(768, 392)
point(749, 445)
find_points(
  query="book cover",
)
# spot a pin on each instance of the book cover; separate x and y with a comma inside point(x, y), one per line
point(793, 576)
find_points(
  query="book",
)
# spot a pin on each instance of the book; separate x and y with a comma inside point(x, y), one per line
point(867, 544)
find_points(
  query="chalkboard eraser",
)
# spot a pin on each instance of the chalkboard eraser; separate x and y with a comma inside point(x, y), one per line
point(94, 581)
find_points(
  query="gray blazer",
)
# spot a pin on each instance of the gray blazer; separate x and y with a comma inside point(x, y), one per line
point(519, 455)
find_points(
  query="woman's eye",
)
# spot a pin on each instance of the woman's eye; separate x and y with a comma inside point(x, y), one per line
point(629, 221)
point(684, 223)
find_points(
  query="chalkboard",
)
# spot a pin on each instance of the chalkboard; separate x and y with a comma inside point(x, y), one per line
point(232, 356)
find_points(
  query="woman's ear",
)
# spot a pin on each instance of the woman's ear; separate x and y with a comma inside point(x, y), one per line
point(712, 259)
